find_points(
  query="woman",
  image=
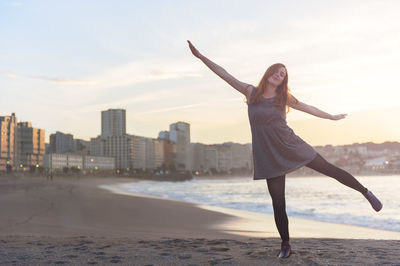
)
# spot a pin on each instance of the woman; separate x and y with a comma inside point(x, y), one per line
point(277, 150)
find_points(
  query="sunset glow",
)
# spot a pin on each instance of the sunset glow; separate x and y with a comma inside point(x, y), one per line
point(61, 63)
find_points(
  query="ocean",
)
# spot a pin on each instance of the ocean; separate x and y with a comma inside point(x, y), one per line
point(316, 198)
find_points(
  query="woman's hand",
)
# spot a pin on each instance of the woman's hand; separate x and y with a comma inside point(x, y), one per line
point(195, 52)
point(338, 117)
point(221, 72)
point(314, 110)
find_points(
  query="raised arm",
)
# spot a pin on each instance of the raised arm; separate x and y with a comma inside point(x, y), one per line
point(242, 87)
point(296, 104)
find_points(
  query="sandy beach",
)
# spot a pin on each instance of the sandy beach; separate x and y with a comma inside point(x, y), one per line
point(74, 222)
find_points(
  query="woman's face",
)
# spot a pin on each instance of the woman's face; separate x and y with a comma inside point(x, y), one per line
point(277, 78)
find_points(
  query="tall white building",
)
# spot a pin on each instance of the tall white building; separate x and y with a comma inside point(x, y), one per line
point(113, 141)
point(198, 157)
point(148, 153)
point(211, 158)
point(138, 145)
point(241, 155)
point(218, 157)
point(113, 122)
point(179, 133)
point(130, 151)
point(118, 147)
point(158, 152)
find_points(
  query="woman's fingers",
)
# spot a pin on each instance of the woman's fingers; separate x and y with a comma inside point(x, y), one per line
point(195, 52)
point(191, 47)
point(338, 117)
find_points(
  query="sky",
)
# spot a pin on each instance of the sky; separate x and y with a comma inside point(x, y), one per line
point(63, 62)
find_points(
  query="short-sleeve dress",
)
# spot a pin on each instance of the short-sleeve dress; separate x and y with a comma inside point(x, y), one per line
point(277, 150)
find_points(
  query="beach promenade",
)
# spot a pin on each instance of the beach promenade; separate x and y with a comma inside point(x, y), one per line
point(72, 221)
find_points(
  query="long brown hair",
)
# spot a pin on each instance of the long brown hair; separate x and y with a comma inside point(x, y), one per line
point(282, 91)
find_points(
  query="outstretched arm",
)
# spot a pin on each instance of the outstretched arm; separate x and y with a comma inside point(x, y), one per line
point(296, 104)
point(222, 73)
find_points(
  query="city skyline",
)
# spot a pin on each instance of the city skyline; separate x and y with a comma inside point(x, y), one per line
point(75, 137)
point(60, 72)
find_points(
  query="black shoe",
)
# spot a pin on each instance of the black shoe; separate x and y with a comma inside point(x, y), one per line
point(375, 203)
point(286, 250)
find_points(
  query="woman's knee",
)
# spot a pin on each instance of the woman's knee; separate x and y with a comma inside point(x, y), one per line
point(318, 160)
point(320, 164)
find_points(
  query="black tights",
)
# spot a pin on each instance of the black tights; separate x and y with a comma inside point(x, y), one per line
point(276, 188)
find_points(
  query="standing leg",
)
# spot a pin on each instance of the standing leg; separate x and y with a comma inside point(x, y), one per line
point(276, 188)
point(321, 165)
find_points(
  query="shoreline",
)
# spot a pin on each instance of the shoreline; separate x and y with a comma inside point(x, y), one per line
point(256, 220)
point(249, 213)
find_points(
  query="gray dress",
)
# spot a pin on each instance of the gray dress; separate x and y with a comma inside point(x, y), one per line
point(277, 150)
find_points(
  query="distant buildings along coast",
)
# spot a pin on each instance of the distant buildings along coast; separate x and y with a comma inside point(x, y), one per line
point(22, 148)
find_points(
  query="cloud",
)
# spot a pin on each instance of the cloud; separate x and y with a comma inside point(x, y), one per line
point(65, 81)
point(9, 74)
point(145, 71)
point(148, 98)
point(122, 75)
point(58, 80)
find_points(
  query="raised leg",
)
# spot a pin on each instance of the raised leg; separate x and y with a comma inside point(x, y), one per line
point(319, 164)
